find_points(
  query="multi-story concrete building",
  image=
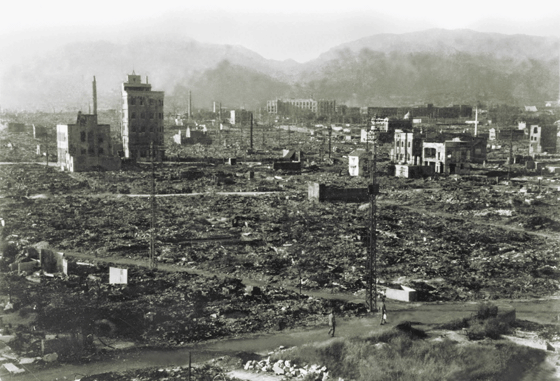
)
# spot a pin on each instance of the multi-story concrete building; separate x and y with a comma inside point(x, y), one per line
point(358, 161)
point(86, 145)
point(142, 123)
point(290, 106)
point(240, 116)
point(407, 148)
point(542, 139)
point(453, 156)
point(326, 107)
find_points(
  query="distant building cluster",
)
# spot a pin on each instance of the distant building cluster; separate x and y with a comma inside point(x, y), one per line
point(428, 111)
point(445, 153)
point(86, 145)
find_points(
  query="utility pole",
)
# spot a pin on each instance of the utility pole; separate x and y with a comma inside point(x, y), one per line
point(152, 257)
point(510, 152)
point(373, 190)
point(367, 136)
point(47, 146)
point(330, 135)
point(251, 147)
point(262, 129)
point(289, 135)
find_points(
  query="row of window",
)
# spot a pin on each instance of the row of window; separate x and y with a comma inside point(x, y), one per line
point(143, 115)
point(402, 143)
point(143, 128)
point(90, 137)
point(137, 142)
point(91, 151)
point(141, 101)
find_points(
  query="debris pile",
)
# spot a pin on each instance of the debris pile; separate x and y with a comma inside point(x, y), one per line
point(198, 373)
point(288, 370)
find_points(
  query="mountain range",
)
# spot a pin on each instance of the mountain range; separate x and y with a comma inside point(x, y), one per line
point(432, 66)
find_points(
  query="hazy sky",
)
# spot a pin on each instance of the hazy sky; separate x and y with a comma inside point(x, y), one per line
point(283, 29)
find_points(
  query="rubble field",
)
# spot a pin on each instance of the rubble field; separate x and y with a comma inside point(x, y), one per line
point(159, 308)
point(451, 239)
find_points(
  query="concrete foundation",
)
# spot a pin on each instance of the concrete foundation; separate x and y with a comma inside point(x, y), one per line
point(287, 165)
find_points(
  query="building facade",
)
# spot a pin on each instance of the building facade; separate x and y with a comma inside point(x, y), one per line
point(85, 145)
point(407, 148)
point(290, 106)
point(358, 161)
point(542, 139)
point(142, 123)
point(453, 156)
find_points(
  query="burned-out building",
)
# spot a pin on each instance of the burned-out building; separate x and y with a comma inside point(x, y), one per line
point(192, 137)
point(513, 134)
point(86, 145)
point(542, 139)
point(142, 119)
point(240, 117)
point(455, 155)
point(358, 161)
point(291, 106)
point(407, 148)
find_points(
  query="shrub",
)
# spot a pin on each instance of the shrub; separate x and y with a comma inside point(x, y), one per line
point(493, 328)
point(486, 310)
point(476, 332)
point(455, 325)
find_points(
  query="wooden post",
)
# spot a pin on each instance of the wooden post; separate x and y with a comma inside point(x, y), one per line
point(189, 374)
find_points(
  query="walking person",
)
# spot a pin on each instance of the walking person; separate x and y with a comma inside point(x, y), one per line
point(383, 313)
point(332, 323)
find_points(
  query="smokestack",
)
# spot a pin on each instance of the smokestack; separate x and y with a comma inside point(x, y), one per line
point(146, 80)
point(94, 96)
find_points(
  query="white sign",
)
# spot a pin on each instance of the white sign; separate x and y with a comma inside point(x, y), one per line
point(118, 276)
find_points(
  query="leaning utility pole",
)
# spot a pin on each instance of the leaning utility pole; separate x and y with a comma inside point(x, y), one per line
point(373, 190)
point(152, 258)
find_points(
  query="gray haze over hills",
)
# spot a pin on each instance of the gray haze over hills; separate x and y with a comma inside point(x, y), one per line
point(435, 65)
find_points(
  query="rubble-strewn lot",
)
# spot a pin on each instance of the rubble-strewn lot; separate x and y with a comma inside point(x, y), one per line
point(455, 238)
point(166, 309)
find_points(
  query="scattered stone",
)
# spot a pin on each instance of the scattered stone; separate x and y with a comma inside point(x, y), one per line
point(51, 357)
